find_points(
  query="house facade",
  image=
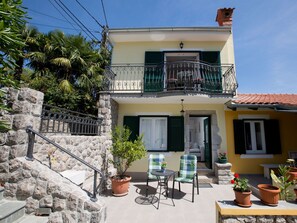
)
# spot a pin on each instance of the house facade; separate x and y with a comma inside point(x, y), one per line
point(171, 85)
point(261, 129)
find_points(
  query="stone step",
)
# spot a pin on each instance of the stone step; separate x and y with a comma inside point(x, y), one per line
point(1, 193)
point(76, 176)
point(11, 211)
point(32, 219)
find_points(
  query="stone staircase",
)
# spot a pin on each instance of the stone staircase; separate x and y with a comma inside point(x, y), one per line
point(14, 211)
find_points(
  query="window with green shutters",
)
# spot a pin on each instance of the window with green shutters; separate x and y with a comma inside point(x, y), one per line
point(257, 136)
point(153, 71)
point(154, 127)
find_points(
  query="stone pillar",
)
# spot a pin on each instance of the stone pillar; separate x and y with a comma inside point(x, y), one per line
point(105, 112)
point(223, 173)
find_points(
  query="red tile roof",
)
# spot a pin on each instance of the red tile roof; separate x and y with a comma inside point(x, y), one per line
point(266, 99)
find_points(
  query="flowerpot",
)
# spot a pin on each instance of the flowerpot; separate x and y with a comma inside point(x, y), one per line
point(269, 194)
point(243, 199)
point(222, 160)
point(293, 173)
point(120, 186)
point(163, 169)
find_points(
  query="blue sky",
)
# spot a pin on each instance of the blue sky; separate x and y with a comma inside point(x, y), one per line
point(265, 32)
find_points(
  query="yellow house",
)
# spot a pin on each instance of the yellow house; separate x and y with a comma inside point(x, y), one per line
point(261, 129)
point(171, 84)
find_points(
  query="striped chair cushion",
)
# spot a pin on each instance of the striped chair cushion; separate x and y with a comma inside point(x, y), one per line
point(188, 168)
point(155, 161)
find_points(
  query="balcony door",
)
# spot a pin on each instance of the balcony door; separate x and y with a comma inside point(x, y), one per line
point(181, 69)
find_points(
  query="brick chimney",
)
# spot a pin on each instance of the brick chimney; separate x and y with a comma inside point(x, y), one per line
point(224, 16)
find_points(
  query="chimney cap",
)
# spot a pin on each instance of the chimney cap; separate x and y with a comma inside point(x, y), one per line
point(224, 16)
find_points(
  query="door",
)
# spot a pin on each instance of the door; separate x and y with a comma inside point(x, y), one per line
point(207, 143)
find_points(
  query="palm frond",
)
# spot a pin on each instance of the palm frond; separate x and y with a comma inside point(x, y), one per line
point(62, 62)
point(66, 86)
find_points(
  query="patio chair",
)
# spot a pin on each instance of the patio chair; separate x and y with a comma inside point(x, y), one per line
point(154, 163)
point(187, 173)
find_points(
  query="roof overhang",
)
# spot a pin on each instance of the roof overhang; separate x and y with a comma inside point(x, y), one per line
point(277, 107)
point(173, 99)
point(169, 34)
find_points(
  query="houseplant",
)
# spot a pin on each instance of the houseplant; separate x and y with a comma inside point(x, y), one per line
point(163, 166)
point(222, 158)
point(292, 170)
point(124, 152)
point(282, 181)
point(242, 191)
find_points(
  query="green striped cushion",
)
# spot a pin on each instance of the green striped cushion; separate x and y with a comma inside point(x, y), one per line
point(188, 168)
point(155, 161)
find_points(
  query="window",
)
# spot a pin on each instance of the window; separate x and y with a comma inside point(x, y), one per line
point(257, 136)
point(160, 133)
point(154, 130)
point(254, 137)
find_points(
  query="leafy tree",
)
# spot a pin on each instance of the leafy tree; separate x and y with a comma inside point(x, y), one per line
point(11, 22)
point(68, 69)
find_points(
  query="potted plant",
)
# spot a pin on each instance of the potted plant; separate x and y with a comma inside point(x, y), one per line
point(124, 152)
point(163, 166)
point(269, 194)
point(292, 170)
point(222, 158)
point(282, 181)
point(242, 191)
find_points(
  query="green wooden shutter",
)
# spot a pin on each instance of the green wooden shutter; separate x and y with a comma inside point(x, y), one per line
point(176, 133)
point(212, 76)
point(132, 122)
point(272, 136)
point(153, 71)
point(239, 140)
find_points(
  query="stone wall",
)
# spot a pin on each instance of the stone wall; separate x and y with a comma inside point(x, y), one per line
point(40, 187)
point(26, 107)
point(258, 219)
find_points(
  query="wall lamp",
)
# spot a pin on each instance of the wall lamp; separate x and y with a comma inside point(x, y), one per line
point(181, 45)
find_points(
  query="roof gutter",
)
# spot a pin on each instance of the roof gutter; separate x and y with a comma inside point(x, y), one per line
point(276, 107)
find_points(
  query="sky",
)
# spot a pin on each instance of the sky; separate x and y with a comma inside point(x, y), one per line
point(264, 31)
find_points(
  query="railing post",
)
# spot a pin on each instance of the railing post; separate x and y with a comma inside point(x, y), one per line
point(31, 139)
point(94, 198)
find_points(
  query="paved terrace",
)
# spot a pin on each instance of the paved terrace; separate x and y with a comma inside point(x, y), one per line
point(128, 208)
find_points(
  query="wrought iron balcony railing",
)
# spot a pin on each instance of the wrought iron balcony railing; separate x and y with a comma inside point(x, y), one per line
point(189, 76)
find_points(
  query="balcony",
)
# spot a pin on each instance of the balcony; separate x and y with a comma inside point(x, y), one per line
point(171, 78)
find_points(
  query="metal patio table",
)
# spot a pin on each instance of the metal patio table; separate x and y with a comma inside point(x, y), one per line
point(163, 177)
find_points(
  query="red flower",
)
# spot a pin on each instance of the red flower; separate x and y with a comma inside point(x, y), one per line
point(232, 181)
point(236, 175)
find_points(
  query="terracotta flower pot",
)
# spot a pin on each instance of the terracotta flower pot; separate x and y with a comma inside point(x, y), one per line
point(243, 199)
point(119, 186)
point(293, 174)
point(269, 194)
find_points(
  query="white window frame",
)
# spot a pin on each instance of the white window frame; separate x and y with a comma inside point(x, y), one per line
point(164, 145)
point(253, 137)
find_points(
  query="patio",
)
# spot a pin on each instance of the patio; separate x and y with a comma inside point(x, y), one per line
point(129, 208)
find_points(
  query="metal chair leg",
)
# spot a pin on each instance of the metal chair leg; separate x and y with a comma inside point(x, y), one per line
point(197, 184)
point(179, 186)
point(193, 184)
point(146, 191)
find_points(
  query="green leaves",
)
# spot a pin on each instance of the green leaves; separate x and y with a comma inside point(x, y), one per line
point(125, 152)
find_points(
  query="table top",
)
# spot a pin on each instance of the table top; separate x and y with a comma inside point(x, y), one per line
point(165, 173)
